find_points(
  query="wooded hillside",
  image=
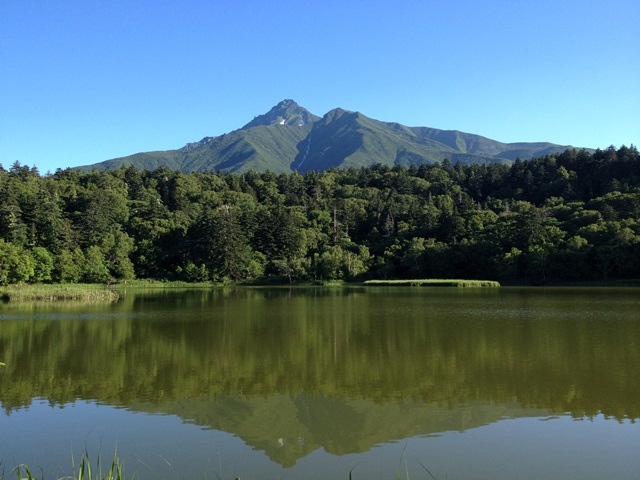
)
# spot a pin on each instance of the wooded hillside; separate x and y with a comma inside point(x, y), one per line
point(572, 216)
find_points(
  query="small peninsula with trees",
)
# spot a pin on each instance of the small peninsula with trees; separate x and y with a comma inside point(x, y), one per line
point(562, 218)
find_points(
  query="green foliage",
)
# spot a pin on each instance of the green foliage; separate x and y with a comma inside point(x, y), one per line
point(118, 246)
point(68, 266)
point(16, 264)
point(95, 267)
point(566, 217)
point(43, 264)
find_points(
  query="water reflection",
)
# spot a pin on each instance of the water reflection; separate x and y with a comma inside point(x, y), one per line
point(292, 370)
point(288, 428)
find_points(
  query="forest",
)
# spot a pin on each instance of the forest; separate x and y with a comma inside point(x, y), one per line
point(562, 218)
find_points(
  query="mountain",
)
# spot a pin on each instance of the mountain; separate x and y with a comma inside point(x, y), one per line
point(275, 423)
point(290, 138)
point(287, 112)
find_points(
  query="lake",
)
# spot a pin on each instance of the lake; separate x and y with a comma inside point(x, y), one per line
point(319, 383)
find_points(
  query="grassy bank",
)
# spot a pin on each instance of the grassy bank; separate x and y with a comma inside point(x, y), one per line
point(95, 292)
point(57, 292)
point(432, 282)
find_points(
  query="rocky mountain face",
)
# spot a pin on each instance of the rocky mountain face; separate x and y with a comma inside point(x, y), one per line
point(286, 112)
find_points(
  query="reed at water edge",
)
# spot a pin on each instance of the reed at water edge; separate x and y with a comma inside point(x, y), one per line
point(433, 282)
point(56, 292)
point(115, 471)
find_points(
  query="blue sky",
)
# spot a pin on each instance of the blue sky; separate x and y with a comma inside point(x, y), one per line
point(88, 80)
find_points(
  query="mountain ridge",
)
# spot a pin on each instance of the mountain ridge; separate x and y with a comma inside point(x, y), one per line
point(290, 138)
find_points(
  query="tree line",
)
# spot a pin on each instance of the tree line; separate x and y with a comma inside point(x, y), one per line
point(565, 217)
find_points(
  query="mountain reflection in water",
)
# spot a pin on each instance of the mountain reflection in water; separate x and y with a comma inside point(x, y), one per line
point(293, 370)
point(288, 428)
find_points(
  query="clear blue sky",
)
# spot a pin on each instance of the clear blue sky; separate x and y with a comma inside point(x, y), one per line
point(82, 81)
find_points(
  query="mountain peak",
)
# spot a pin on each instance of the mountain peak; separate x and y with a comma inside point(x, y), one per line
point(338, 112)
point(287, 112)
point(290, 137)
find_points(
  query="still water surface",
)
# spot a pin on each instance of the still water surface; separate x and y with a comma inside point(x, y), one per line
point(315, 383)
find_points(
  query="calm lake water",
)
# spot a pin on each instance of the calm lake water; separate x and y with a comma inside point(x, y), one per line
point(315, 383)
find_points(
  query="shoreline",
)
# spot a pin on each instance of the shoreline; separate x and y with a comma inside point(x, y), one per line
point(109, 292)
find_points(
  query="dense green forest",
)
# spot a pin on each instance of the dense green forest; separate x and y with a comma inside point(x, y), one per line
point(566, 217)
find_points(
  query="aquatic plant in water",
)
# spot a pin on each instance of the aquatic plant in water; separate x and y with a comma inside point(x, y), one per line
point(84, 471)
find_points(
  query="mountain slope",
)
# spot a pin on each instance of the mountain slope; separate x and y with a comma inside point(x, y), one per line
point(290, 138)
point(259, 148)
